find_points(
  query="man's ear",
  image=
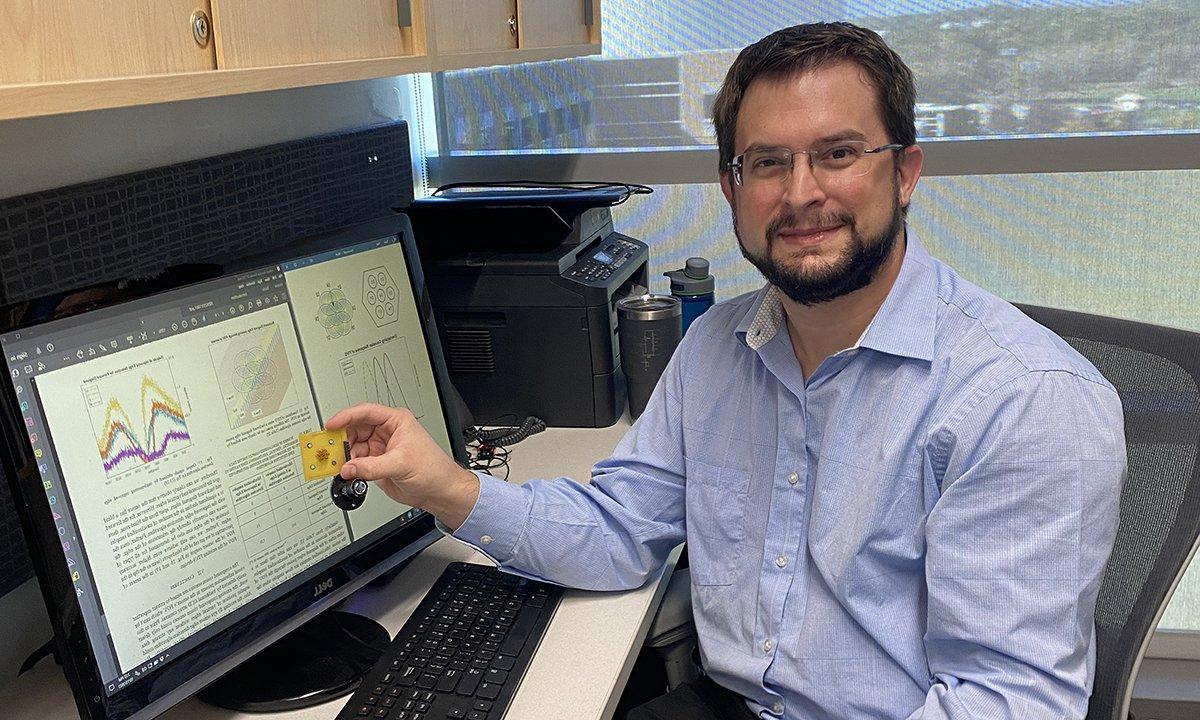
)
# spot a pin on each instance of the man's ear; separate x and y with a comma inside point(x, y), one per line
point(727, 186)
point(912, 160)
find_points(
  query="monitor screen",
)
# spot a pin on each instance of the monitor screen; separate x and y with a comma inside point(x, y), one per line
point(158, 459)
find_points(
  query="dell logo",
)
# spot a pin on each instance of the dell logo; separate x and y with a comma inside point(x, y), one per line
point(325, 585)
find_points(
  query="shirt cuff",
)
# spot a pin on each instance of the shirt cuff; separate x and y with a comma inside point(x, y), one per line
point(498, 519)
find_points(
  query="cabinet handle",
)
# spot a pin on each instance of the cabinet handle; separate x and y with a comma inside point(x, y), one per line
point(404, 12)
point(589, 17)
point(512, 25)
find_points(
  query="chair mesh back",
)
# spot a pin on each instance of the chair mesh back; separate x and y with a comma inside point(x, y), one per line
point(1156, 371)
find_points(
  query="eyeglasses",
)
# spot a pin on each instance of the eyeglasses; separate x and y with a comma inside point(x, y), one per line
point(833, 161)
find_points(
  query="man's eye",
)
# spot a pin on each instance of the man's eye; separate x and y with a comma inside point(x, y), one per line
point(841, 153)
point(768, 162)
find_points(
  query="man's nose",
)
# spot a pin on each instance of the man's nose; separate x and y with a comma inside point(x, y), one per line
point(802, 187)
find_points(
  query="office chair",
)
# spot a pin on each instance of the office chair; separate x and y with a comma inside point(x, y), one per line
point(1156, 371)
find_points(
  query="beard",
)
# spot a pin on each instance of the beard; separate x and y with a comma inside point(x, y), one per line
point(853, 269)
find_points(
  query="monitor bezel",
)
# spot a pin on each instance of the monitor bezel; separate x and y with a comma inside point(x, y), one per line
point(199, 666)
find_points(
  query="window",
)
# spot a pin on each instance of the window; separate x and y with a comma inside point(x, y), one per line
point(983, 69)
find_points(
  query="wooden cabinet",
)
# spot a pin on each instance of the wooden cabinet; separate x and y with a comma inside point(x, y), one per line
point(263, 33)
point(55, 40)
point(471, 26)
point(554, 23)
point(60, 56)
point(476, 33)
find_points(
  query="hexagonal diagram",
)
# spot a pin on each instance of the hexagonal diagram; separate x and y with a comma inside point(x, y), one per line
point(380, 294)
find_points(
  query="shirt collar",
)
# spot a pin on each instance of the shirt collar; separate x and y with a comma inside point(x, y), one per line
point(904, 325)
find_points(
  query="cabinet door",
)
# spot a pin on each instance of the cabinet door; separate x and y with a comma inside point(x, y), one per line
point(557, 23)
point(261, 33)
point(56, 40)
point(468, 26)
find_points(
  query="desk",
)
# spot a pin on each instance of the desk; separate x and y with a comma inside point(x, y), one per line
point(579, 670)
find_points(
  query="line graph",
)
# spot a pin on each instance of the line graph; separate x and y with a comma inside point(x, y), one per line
point(160, 427)
point(384, 375)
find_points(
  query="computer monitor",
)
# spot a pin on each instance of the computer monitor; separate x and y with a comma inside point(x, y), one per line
point(153, 451)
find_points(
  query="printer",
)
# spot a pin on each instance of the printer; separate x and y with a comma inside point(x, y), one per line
point(524, 285)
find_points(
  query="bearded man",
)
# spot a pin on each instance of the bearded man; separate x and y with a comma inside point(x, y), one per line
point(898, 493)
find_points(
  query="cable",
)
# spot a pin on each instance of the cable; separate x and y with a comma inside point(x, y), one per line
point(573, 185)
point(488, 449)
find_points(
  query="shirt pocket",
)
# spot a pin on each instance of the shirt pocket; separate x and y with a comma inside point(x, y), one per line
point(716, 521)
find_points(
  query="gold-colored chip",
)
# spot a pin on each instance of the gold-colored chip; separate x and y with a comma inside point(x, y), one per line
point(323, 452)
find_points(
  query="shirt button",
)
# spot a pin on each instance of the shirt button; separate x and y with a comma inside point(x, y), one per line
point(486, 539)
point(768, 644)
point(777, 708)
point(781, 561)
point(794, 478)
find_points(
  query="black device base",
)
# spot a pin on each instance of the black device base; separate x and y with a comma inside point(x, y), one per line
point(348, 494)
point(323, 659)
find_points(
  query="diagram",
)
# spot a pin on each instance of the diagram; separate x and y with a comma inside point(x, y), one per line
point(136, 416)
point(384, 375)
point(380, 295)
point(335, 312)
point(254, 374)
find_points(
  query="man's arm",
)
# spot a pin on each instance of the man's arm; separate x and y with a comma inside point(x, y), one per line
point(607, 534)
point(1017, 545)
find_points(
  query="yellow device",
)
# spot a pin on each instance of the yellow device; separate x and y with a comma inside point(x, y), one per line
point(323, 453)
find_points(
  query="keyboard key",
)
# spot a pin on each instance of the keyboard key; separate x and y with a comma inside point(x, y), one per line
point(482, 705)
point(449, 680)
point(408, 676)
point(488, 691)
point(476, 715)
point(470, 681)
point(504, 662)
point(493, 675)
point(456, 713)
point(427, 681)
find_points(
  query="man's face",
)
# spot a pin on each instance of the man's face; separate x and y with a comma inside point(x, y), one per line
point(818, 236)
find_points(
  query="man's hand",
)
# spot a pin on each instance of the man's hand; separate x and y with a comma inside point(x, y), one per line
point(390, 447)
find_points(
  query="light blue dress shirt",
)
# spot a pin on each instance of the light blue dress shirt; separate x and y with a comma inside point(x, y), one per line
point(917, 531)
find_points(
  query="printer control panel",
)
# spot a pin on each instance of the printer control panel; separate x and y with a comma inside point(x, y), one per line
point(599, 265)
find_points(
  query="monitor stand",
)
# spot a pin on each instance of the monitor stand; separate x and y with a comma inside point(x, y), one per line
point(323, 659)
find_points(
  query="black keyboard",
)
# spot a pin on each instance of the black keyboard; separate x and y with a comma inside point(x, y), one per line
point(462, 652)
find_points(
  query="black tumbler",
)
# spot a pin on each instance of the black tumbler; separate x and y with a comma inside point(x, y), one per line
point(649, 328)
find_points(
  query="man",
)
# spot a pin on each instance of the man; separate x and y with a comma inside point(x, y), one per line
point(898, 493)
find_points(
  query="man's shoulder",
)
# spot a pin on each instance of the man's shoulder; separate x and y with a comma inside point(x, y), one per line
point(978, 332)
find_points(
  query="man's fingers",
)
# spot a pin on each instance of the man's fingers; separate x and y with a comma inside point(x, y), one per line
point(369, 468)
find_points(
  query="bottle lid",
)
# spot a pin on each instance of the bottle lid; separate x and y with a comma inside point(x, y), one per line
point(693, 279)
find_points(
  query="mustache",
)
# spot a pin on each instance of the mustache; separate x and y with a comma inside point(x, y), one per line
point(792, 221)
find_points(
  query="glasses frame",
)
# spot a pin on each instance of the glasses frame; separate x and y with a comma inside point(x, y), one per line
point(735, 165)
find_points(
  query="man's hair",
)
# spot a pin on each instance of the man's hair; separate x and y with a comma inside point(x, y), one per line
point(801, 48)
